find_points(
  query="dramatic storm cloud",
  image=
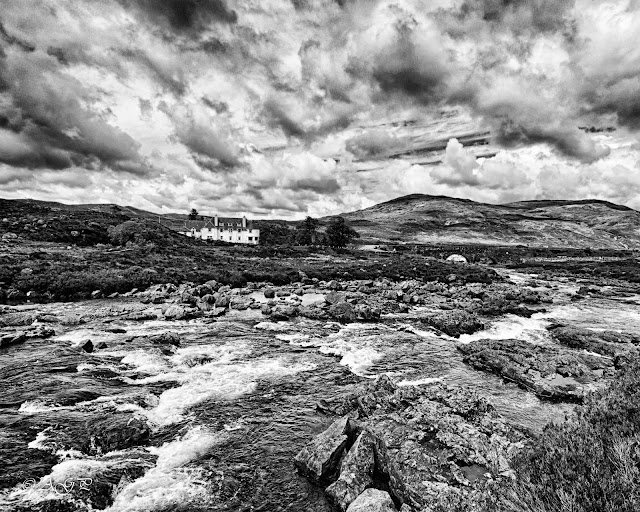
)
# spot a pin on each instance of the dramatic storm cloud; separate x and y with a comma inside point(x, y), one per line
point(292, 107)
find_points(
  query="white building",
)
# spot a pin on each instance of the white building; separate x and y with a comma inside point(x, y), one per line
point(234, 230)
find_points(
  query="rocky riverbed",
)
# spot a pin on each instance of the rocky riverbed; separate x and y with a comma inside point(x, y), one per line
point(201, 397)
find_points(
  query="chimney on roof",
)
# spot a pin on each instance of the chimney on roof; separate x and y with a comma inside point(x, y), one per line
point(244, 221)
point(215, 220)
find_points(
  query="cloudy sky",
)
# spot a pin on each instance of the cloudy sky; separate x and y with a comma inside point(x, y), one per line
point(287, 108)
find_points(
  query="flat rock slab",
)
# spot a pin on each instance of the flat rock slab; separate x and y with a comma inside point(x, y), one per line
point(606, 343)
point(548, 371)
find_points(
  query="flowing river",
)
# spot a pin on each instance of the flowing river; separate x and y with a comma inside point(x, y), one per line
point(230, 407)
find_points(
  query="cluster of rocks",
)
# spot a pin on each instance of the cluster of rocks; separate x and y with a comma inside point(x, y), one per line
point(549, 371)
point(419, 447)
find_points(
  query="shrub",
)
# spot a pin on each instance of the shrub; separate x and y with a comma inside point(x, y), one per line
point(590, 463)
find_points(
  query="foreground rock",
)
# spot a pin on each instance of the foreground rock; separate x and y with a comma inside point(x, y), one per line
point(548, 371)
point(372, 500)
point(426, 447)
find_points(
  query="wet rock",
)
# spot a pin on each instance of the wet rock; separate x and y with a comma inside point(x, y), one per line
point(141, 316)
point(364, 312)
point(319, 460)
point(116, 330)
point(87, 346)
point(96, 294)
point(269, 293)
point(607, 343)
point(283, 312)
point(372, 500)
point(313, 312)
point(223, 301)
point(102, 345)
point(240, 303)
point(283, 293)
point(17, 319)
point(209, 298)
point(117, 432)
point(204, 305)
point(455, 323)
point(342, 312)
point(266, 309)
point(175, 312)
point(12, 339)
point(356, 472)
point(166, 338)
point(335, 297)
point(548, 371)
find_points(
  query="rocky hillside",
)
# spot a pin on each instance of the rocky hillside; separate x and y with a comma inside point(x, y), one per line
point(419, 218)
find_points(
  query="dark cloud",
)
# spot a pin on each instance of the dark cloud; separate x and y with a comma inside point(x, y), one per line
point(185, 15)
point(320, 186)
point(207, 143)
point(569, 141)
point(47, 112)
point(279, 116)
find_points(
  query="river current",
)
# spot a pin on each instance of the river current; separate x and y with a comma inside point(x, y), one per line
point(232, 405)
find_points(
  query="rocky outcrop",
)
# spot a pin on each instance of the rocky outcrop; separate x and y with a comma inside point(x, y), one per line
point(548, 371)
point(319, 460)
point(356, 472)
point(423, 446)
point(455, 323)
point(606, 343)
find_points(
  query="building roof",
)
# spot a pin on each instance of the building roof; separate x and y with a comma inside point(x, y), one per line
point(209, 222)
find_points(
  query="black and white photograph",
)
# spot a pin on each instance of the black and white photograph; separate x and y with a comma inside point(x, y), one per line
point(320, 255)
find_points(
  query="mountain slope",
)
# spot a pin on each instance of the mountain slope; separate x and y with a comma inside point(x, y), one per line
point(419, 218)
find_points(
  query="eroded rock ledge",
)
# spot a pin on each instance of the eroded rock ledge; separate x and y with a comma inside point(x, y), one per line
point(421, 446)
point(549, 371)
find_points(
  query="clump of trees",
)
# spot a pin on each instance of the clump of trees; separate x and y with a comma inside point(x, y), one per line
point(337, 233)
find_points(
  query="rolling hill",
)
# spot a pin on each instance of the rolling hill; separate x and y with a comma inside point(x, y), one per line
point(419, 218)
point(416, 218)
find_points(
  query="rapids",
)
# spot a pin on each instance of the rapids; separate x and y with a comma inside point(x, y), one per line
point(231, 406)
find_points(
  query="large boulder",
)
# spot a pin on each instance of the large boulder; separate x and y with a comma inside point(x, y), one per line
point(269, 293)
point(342, 312)
point(223, 301)
point(319, 460)
point(356, 472)
point(335, 297)
point(455, 323)
point(372, 500)
point(175, 312)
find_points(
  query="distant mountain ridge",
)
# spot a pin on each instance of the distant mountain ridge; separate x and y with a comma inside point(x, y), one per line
point(420, 218)
point(415, 218)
